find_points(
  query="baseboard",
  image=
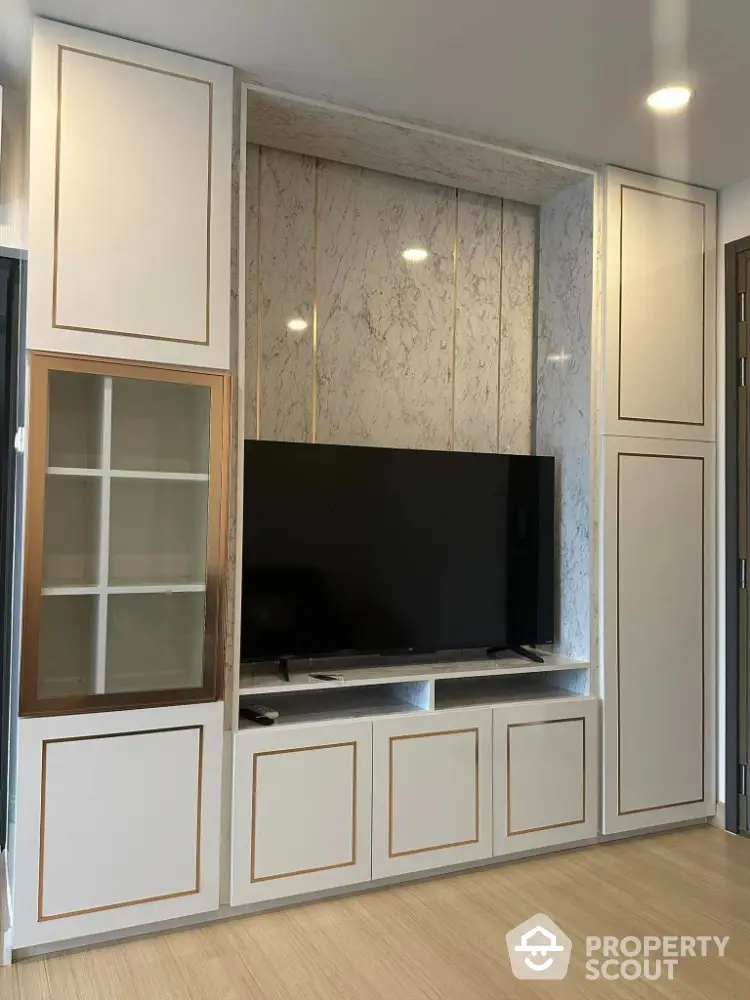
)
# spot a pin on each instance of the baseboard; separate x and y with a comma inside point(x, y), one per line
point(649, 831)
point(720, 819)
point(226, 912)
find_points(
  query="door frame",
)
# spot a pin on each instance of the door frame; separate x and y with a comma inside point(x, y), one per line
point(11, 528)
point(736, 675)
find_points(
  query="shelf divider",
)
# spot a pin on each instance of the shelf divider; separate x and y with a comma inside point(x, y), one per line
point(100, 661)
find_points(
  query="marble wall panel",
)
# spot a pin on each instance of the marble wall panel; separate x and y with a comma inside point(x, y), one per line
point(515, 399)
point(286, 292)
point(385, 325)
point(479, 225)
point(434, 354)
point(563, 426)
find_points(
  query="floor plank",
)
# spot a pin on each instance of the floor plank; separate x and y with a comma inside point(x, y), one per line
point(442, 939)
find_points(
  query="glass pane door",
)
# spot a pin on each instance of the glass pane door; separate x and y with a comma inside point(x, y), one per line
point(131, 528)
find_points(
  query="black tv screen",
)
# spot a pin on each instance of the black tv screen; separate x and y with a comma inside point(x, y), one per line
point(378, 550)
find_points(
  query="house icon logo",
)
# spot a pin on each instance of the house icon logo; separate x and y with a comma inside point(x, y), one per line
point(538, 949)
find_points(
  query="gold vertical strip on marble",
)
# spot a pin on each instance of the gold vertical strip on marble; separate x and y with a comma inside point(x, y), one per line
point(258, 304)
point(500, 321)
point(455, 315)
point(314, 426)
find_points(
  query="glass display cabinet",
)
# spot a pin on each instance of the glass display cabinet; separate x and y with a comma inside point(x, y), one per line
point(125, 535)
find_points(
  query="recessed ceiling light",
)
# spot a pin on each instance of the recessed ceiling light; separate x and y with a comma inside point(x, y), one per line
point(297, 325)
point(415, 254)
point(670, 98)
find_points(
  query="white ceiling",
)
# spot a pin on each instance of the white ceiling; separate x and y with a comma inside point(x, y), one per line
point(564, 76)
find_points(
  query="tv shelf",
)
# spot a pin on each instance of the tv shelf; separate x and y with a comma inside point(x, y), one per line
point(264, 679)
point(369, 692)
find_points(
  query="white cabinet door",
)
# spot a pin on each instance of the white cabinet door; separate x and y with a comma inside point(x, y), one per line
point(118, 820)
point(658, 633)
point(545, 767)
point(129, 200)
point(301, 809)
point(659, 308)
point(432, 791)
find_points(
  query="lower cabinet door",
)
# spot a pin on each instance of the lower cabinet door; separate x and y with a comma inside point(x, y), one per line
point(301, 809)
point(119, 819)
point(545, 773)
point(432, 791)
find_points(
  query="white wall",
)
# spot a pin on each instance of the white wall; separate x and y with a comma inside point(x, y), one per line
point(734, 224)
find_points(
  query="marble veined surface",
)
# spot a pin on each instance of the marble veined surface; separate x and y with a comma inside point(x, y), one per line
point(362, 139)
point(436, 353)
point(477, 339)
point(385, 325)
point(286, 294)
point(517, 321)
point(564, 396)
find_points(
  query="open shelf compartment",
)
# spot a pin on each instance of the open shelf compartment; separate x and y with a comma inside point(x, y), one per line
point(336, 704)
point(471, 692)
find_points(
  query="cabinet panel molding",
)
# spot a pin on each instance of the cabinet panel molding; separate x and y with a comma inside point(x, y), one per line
point(118, 820)
point(659, 308)
point(130, 187)
point(658, 632)
point(432, 791)
point(545, 774)
point(301, 809)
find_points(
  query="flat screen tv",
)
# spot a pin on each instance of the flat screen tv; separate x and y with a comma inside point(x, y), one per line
point(355, 550)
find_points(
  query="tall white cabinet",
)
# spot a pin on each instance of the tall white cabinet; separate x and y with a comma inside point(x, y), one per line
point(120, 734)
point(658, 502)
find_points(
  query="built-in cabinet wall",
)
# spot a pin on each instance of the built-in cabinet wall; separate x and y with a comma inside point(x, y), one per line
point(658, 502)
point(431, 354)
point(119, 811)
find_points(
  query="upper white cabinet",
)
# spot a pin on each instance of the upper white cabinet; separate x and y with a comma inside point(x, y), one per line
point(659, 308)
point(130, 190)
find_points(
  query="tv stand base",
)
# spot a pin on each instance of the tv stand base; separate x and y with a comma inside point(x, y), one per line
point(528, 654)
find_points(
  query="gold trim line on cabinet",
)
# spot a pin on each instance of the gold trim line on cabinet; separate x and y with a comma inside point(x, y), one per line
point(551, 826)
point(41, 916)
point(434, 847)
point(209, 173)
point(254, 812)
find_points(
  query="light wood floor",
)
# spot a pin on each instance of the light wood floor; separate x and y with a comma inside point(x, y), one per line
point(440, 940)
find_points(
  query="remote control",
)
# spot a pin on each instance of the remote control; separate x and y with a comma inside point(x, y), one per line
point(260, 714)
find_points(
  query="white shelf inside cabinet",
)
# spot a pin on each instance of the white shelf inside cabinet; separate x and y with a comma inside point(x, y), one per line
point(181, 477)
point(262, 681)
point(145, 588)
point(298, 707)
point(61, 470)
